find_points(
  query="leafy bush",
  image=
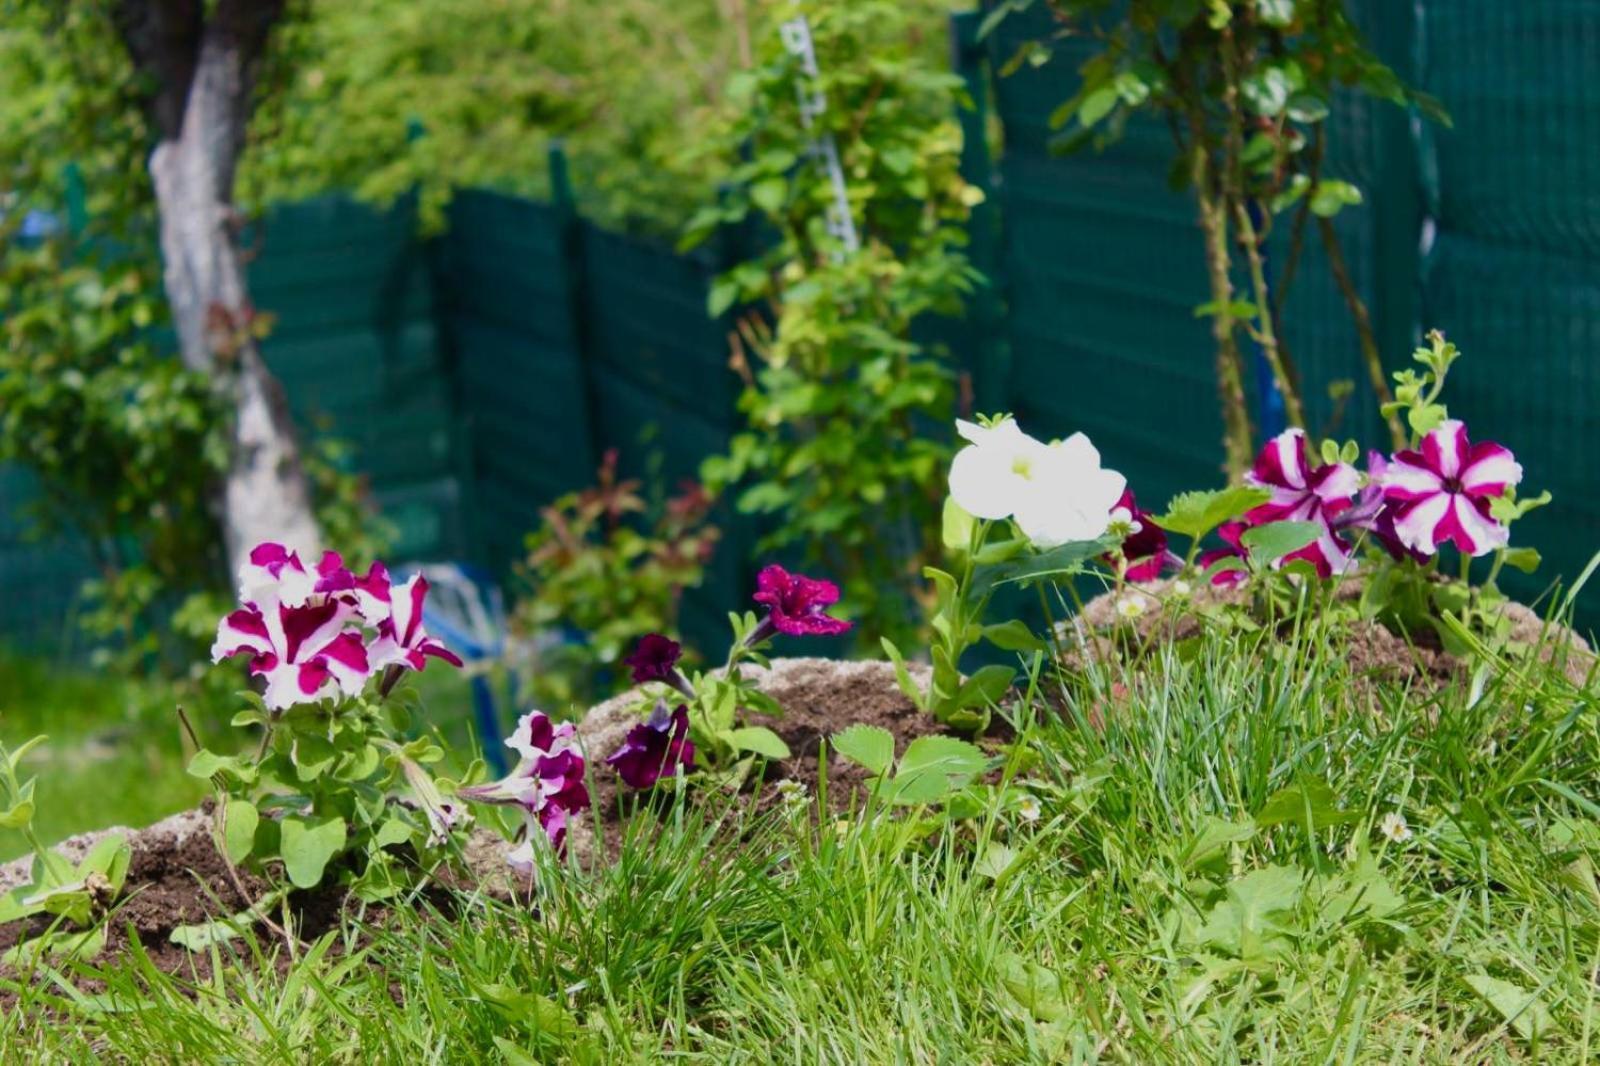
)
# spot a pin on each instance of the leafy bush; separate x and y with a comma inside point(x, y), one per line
point(852, 163)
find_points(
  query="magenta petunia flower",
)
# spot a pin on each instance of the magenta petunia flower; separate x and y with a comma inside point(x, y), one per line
point(273, 572)
point(1145, 545)
point(1441, 493)
point(796, 604)
point(548, 780)
point(306, 653)
point(655, 748)
point(1304, 493)
point(1373, 514)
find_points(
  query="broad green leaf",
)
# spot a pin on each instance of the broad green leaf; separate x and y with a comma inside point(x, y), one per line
point(207, 764)
point(1012, 636)
point(85, 945)
point(758, 739)
point(393, 831)
point(1194, 514)
point(1252, 920)
point(13, 909)
point(110, 858)
point(239, 821)
point(1311, 799)
point(1269, 543)
point(868, 746)
point(306, 847)
point(769, 194)
point(1058, 561)
point(1213, 839)
point(933, 766)
point(986, 686)
point(543, 1016)
point(1523, 1010)
point(1037, 990)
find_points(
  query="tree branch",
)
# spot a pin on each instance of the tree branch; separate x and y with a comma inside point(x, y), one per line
point(163, 37)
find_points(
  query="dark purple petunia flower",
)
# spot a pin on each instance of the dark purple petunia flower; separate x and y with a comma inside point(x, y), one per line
point(796, 605)
point(654, 658)
point(1230, 532)
point(548, 780)
point(655, 748)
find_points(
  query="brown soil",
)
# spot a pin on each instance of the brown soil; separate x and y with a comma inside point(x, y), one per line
point(177, 878)
point(1372, 651)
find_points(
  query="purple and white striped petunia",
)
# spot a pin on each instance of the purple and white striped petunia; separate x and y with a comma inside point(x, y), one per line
point(306, 653)
point(1304, 493)
point(273, 572)
point(1442, 491)
point(402, 640)
point(548, 780)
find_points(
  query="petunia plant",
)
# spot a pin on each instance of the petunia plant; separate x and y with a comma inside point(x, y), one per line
point(334, 784)
point(703, 715)
point(1020, 511)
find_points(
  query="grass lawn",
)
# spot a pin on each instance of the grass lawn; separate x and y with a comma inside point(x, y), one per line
point(1215, 874)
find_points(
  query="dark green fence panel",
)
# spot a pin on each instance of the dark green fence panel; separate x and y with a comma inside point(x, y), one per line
point(356, 347)
point(1512, 273)
point(41, 580)
point(509, 309)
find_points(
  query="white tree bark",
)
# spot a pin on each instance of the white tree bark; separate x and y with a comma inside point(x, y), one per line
point(205, 69)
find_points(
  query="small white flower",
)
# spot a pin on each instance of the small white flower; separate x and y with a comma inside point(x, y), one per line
point(1181, 588)
point(1028, 809)
point(1123, 524)
point(1130, 608)
point(1393, 825)
point(792, 793)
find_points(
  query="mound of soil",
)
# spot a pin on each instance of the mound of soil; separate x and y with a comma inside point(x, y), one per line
point(177, 878)
point(1373, 651)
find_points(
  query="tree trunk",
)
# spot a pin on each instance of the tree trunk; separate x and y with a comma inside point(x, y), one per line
point(205, 70)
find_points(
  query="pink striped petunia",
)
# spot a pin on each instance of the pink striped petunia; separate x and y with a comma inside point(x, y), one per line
point(1304, 493)
point(402, 640)
point(1441, 492)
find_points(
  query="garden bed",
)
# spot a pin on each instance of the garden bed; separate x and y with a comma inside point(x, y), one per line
point(177, 878)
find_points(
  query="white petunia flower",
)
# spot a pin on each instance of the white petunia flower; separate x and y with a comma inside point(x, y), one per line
point(997, 470)
point(1072, 495)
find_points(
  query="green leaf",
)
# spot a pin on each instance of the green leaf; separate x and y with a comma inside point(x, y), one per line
point(724, 294)
point(239, 821)
point(769, 194)
point(1525, 559)
point(313, 756)
point(1097, 105)
point(20, 753)
point(1309, 798)
point(110, 858)
point(997, 858)
point(956, 526)
point(17, 816)
point(1194, 514)
point(986, 686)
point(207, 764)
point(307, 846)
point(758, 739)
point(1065, 559)
point(1269, 543)
point(933, 766)
point(1012, 636)
point(902, 676)
point(1251, 922)
point(1213, 839)
point(868, 746)
point(1331, 197)
point(1523, 1010)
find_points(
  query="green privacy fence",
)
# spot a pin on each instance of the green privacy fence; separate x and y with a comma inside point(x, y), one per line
point(1488, 231)
point(483, 373)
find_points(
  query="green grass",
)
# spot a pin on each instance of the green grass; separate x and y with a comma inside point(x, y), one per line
point(1146, 917)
